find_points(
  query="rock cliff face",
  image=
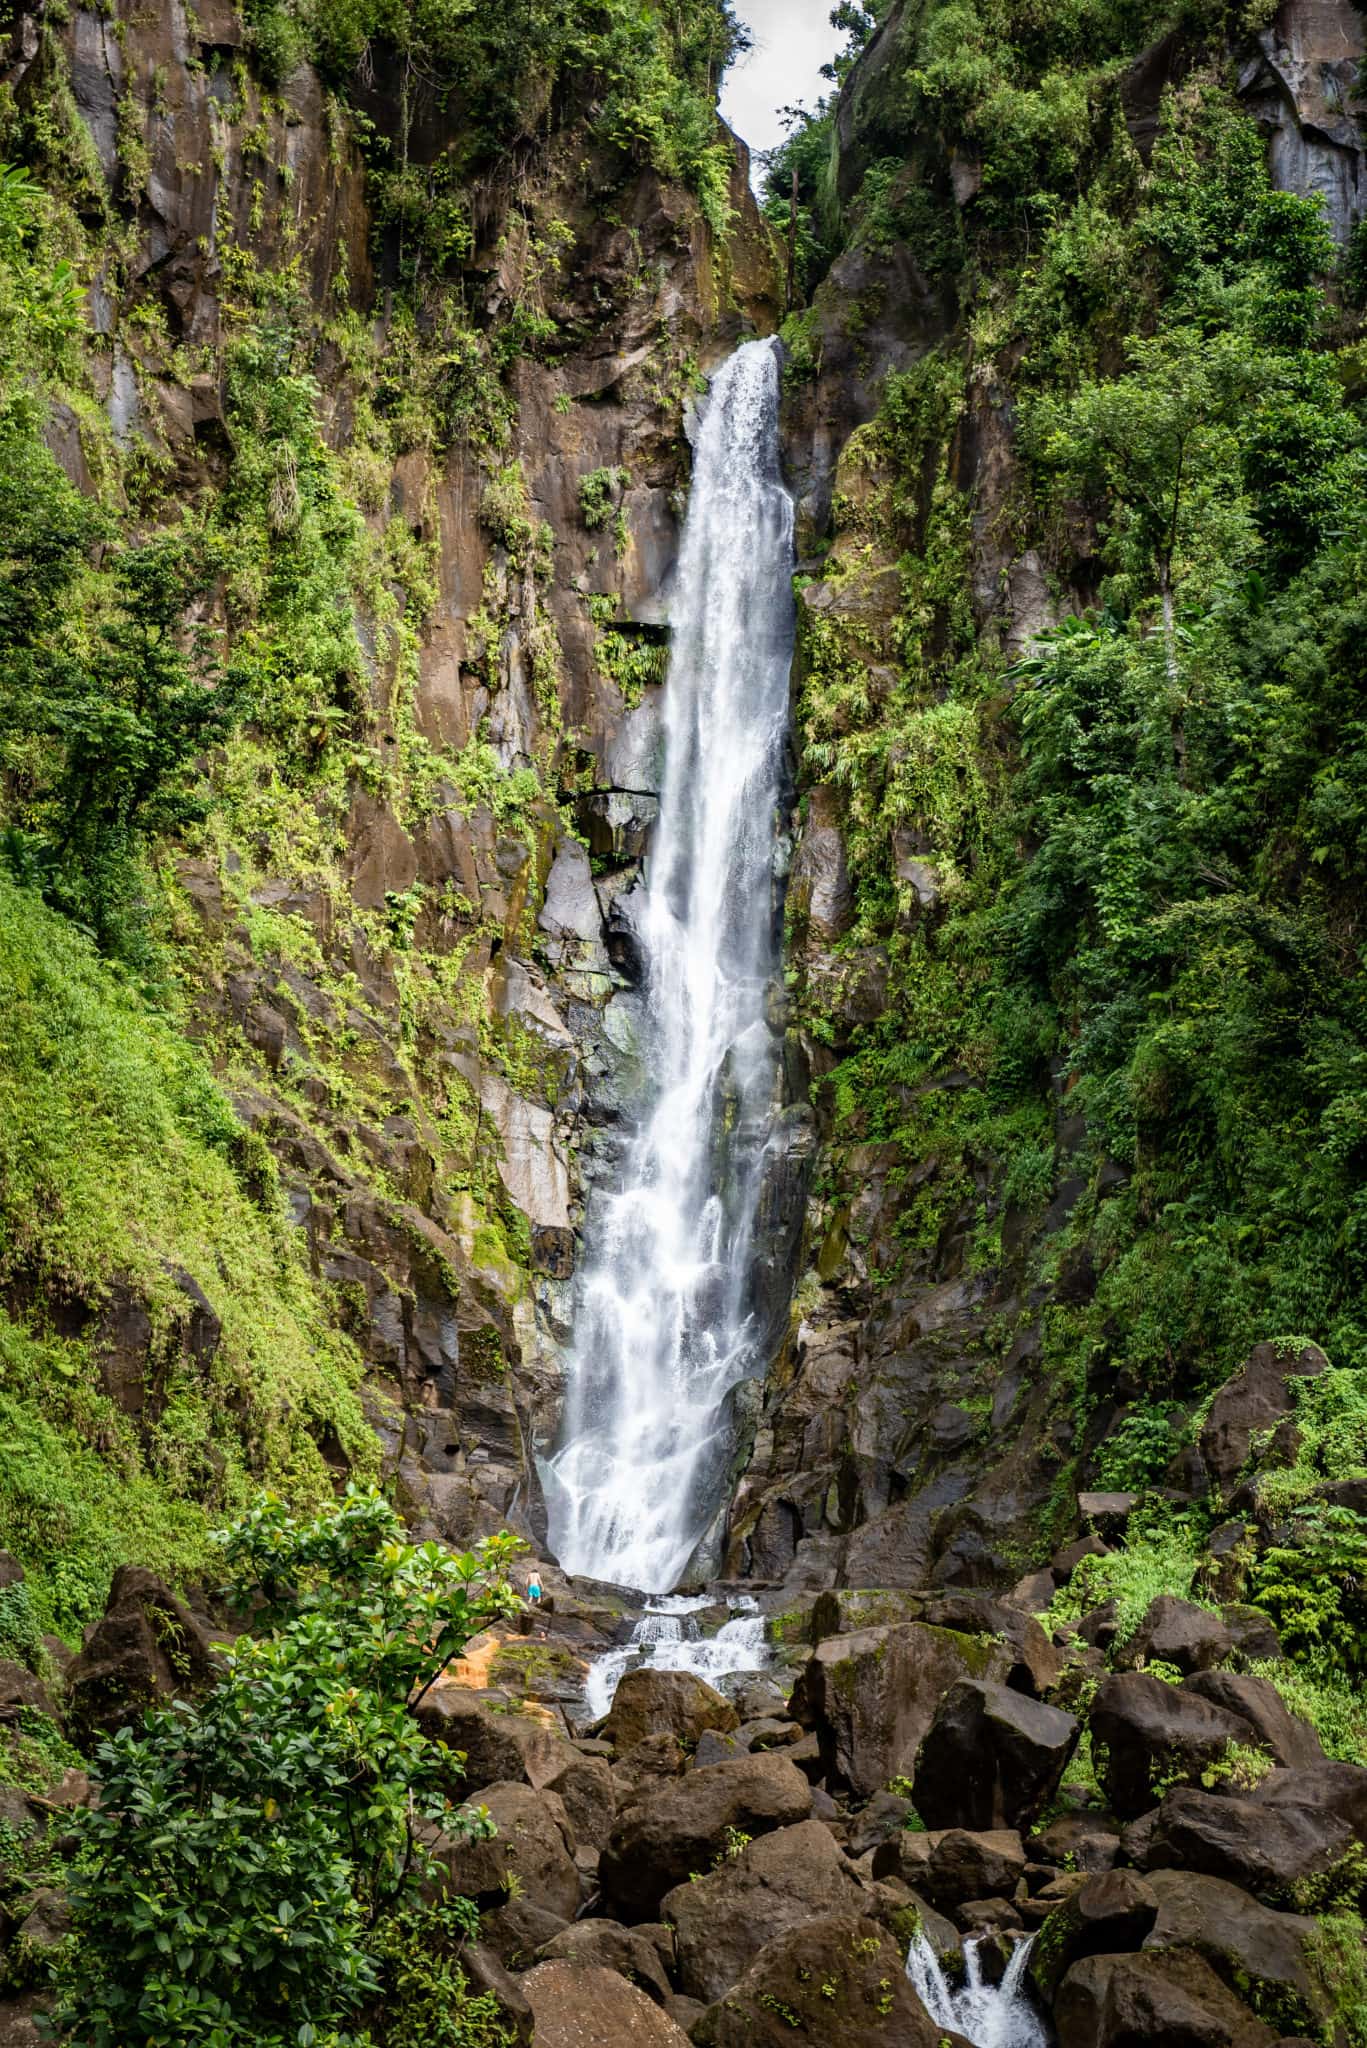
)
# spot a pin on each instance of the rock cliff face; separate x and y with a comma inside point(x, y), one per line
point(415, 977)
point(415, 972)
point(911, 1435)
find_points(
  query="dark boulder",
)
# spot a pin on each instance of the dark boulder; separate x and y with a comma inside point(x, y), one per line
point(486, 1977)
point(1036, 1665)
point(1108, 1915)
point(1065, 1562)
point(19, 1688)
point(1255, 1639)
point(583, 2005)
point(658, 1758)
point(870, 1697)
point(1145, 1731)
point(499, 1748)
point(677, 1703)
point(1178, 1632)
point(839, 1979)
point(1287, 1739)
point(1250, 1405)
point(532, 1854)
point(517, 1931)
point(724, 1919)
point(1265, 1956)
point(1339, 1788)
point(992, 1758)
point(19, 2021)
point(147, 1649)
point(611, 1946)
point(953, 1865)
point(884, 1819)
point(584, 1788)
point(1171, 2001)
point(1278, 1853)
point(1078, 1841)
point(685, 1824)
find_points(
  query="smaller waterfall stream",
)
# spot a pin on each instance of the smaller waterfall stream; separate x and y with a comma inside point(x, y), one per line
point(988, 2015)
point(668, 1638)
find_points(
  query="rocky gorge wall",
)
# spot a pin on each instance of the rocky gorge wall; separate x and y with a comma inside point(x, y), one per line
point(398, 941)
point(933, 1422)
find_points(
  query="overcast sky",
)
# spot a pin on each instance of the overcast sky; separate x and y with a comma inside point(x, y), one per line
point(793, 39)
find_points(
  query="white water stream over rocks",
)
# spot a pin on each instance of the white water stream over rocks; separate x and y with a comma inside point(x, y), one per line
point(988, 2015)
point(667, 1638)
point(663, 1328)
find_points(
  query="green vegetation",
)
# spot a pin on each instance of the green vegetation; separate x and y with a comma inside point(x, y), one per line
point(1108, 877)
point(654, 72)
point(254, 1867)
point(124, 1174)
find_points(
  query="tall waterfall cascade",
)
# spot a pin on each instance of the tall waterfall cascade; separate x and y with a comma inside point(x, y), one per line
point(664, 1328)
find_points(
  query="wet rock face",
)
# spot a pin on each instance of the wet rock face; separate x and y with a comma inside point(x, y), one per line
point(459, 1310)
point(839, 1977)
point(1304, 87)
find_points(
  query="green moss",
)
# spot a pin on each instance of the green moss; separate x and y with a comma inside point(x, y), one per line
point(123, 1167)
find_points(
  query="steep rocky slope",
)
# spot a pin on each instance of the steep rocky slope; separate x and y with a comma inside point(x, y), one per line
point(991, 1296)
point(395, 941)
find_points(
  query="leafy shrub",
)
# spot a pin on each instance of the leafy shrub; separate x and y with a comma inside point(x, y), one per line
point(1314, 1586)
point(245, 1851)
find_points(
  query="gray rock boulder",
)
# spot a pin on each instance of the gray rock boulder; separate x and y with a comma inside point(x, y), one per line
point(684, 1825)
point(724, 1919)
point(992, 1758)
point(870, 1697)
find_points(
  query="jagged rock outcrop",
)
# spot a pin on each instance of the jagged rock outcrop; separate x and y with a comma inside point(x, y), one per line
point(436, 1091)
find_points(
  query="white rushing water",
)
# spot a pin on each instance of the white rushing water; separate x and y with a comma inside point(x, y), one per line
point(668, 1638)
point(663, 1330)
point(988, 2015)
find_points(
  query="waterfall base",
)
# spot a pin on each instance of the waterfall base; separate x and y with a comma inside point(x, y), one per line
point(988, 2015)
point(667, 1638)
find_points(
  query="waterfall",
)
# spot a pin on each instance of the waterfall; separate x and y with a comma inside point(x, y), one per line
point(663, 1327)
point(667, 1638)
point(988, 2015)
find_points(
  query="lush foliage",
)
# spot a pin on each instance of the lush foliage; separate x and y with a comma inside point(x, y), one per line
point(246, 1852)
point(1107, 882)
point(123, 1166)
point(654, 72)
